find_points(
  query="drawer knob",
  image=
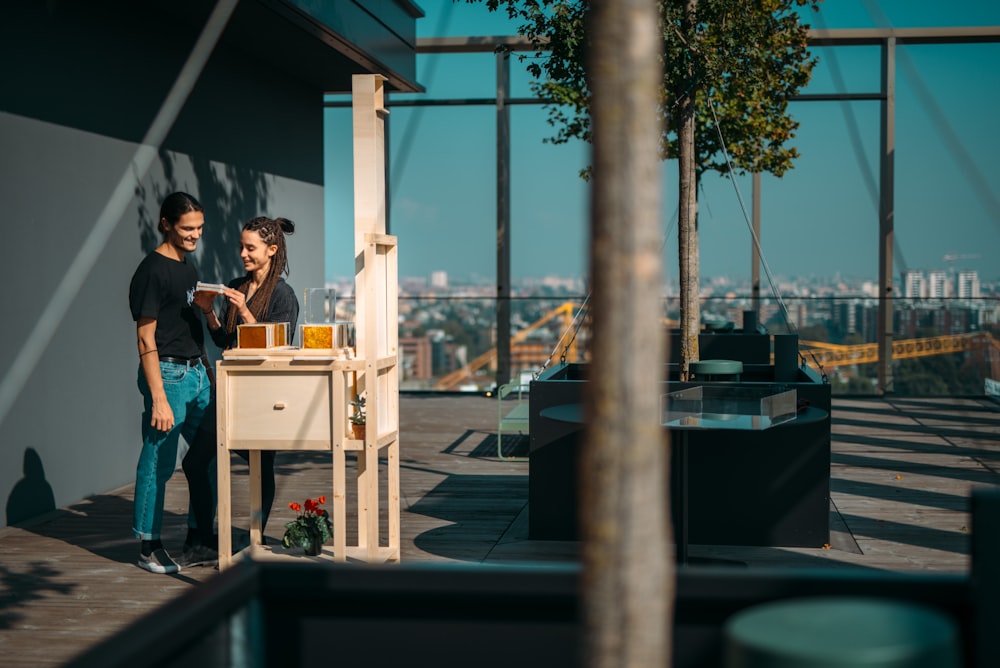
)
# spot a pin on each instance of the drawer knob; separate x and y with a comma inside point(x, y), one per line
point(280, 406)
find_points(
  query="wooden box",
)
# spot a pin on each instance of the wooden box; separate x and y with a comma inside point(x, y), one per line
point(327, 335)
point(262, 335)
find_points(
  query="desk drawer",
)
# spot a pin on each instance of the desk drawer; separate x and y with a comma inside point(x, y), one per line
point(290, 406)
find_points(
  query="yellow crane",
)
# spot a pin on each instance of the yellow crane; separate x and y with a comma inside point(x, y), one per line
point(829, 355)
point(816, 353)
point(565, 310)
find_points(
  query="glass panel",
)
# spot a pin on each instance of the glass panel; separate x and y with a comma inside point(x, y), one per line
point(727, 407)
point(320, 305)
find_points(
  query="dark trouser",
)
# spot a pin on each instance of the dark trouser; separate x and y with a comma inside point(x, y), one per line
point(197, 465)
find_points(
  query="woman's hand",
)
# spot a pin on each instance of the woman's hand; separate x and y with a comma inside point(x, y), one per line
point(238, 301)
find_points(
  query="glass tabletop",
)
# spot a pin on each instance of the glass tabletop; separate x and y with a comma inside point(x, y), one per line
point(728, 407)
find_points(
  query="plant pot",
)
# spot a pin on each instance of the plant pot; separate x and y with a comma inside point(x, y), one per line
point(315, 546)
point(358, 430)
point(307, 539)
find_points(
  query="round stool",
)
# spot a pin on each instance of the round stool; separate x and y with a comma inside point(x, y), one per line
point(709, 370)
point(841, 633)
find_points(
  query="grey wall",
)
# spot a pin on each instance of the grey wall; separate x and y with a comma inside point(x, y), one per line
point(87, 85)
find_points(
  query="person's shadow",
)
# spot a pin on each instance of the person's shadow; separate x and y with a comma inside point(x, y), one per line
point(32, 495)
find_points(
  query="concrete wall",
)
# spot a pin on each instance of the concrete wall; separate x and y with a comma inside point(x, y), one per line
point(87, 85)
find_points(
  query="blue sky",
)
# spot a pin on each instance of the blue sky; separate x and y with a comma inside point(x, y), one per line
point(820, 219)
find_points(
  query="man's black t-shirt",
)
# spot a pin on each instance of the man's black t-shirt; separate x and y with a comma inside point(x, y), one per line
point(163, 289)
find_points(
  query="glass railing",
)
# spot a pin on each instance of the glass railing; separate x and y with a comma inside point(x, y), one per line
point(945, 347)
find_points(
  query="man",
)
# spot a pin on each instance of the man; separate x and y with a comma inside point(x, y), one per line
point(172, 379)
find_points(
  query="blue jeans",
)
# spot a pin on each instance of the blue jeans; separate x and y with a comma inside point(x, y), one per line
point(188, 391)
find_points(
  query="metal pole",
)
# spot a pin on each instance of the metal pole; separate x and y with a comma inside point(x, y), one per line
point(885, 213)
point(503, 219)
point(755, 250)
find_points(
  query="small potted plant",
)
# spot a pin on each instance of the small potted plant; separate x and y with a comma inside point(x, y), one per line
point(311, 529)
point(358, 417)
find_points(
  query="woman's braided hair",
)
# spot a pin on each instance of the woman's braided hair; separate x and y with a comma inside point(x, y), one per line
point(272, 232)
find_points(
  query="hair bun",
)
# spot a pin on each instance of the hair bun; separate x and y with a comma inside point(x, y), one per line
point(287, 226)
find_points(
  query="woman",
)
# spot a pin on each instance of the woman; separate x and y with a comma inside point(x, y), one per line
point(261, 295)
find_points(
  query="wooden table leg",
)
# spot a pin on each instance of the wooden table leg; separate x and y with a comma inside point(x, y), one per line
point(371, 503)
point(256, 510)
point(339, 501)
point(393, 483)
point(224, 509)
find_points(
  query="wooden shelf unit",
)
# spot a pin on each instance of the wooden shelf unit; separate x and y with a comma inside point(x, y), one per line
point(279, 400)
point(294, 399)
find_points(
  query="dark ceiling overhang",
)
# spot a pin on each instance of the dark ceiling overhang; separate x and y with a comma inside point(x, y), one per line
point(322, 43)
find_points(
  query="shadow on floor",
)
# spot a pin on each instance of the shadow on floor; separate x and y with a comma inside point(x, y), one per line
point(514, 445)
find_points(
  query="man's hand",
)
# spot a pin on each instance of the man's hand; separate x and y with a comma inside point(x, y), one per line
point(163, 416)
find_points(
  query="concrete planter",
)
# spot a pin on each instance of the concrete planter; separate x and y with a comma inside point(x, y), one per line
point(768, 488)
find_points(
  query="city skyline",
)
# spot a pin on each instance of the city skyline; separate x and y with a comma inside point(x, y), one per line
point(935, 286)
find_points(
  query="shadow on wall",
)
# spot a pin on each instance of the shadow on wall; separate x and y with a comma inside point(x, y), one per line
point(32, 495)
point(231, 196)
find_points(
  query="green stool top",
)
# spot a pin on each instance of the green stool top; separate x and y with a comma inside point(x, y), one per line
point(716, 367)
point(841, 632)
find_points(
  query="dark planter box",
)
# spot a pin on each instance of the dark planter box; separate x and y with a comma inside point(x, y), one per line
point(313, 613)
point(309, 614)
point(767, 488)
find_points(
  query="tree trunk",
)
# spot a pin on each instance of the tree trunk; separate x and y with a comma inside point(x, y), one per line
point(687, 223)
point(627, 589)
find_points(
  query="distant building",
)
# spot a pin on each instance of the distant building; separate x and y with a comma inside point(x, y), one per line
point(857, 316)
point(968, 285)
point(416, 357)
point(949, 321)
point(845, 317)
point(439, 279)
point(938, 285)
point(905, 322)
point(914, 285)
point(800, 314)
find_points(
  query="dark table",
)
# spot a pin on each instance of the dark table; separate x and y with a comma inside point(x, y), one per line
point(574, 414)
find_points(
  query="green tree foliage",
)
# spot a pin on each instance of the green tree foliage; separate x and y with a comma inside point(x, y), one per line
point(938, 375)
point(748, 58)
point(730, 66)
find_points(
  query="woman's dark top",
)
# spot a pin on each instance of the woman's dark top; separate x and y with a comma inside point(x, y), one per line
point(284, 307)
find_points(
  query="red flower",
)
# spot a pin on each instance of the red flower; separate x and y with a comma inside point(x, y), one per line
point(312, 507)
point(312, 524)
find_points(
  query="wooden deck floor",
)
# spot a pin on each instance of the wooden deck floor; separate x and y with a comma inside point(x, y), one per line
point(902, 471)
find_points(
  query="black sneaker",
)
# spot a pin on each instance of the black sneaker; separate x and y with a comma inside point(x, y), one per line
point(199, 555)
point(158, 562)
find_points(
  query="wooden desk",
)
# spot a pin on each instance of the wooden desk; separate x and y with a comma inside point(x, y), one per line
point(294, 399)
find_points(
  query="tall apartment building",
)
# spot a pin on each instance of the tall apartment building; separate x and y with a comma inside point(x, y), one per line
point(938, 285)
point(914, 285)
point(968, 285)
point(417, 357)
